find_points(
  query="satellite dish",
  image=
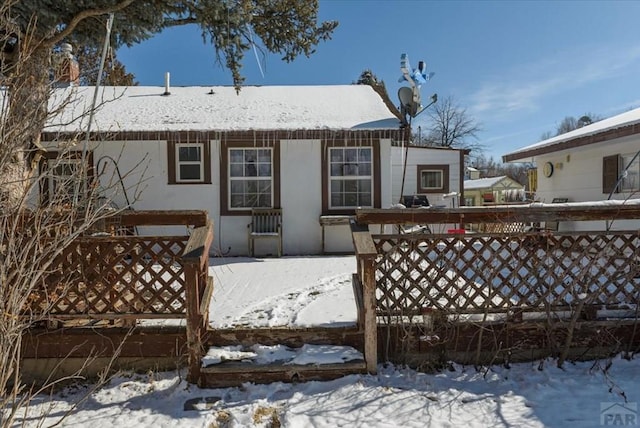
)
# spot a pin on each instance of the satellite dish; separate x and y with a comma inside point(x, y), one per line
point(407, 103)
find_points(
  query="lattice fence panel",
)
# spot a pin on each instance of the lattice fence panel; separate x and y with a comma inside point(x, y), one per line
point(115, 275)
point(497, 272)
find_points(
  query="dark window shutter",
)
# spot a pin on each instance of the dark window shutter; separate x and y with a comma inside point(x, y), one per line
point(610, 171)
point(171, 162)
point(207, 161)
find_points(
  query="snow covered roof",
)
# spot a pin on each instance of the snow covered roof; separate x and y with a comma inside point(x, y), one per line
point(220, 108)
point(483, 183)
point(578, 137)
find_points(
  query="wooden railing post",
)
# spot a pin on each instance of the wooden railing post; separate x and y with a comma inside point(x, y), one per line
point(194, 321)
point(195, 258)
point(370, 324)
point(366, 254)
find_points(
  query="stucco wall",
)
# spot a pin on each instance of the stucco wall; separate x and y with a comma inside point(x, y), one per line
point(577, 175)
point(143, 165)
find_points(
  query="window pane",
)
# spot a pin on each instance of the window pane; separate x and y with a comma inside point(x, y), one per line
point(236, 170)
point(351, 185)
point(364, 186)
point(237, 186)
point(350, 169)
point(350, 200)
point(250, 155)
point(351, 155)
point(189, 153)
point(264, 155)
point(250, 200)
point(250, 170)
point(189, 172)
point(630, 181)
point(336, 200)
point(251, 186)
point(365, 154)
point(365, 169)
point(264, 200)
point(235, 156)
point(237, 201)
point(336, 155)
point(264, 170)
point(431, 179)
point(336, 186)
point(264, 186)
point(365, 200)
point(336, 169)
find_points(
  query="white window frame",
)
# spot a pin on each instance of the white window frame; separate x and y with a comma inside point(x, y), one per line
point(200, 162)
point(231, 179)
point(631, 180)
point(352, 177)
point(439, 172)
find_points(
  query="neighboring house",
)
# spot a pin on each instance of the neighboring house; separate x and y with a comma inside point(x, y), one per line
point(492, 190)
point(311, 150)
point(588, 164)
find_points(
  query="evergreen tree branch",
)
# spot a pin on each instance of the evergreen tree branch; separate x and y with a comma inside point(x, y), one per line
point(81, 16)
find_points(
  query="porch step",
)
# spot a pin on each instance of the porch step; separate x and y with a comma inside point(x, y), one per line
point(234, 365)
point(231, 374)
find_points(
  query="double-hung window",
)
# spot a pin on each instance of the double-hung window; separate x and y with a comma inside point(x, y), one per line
point(350, 177)
point(631, 177)
point(189, 162)
point(250, 178)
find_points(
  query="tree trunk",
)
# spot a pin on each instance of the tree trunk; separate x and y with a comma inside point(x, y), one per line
point(26, 114)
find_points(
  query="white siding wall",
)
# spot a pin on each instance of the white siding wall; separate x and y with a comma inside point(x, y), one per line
point(301, 195)
point(577, 175)
point(144, 167)
point(421, 156)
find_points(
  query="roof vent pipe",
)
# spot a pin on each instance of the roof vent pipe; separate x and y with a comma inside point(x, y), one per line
point(167, 83)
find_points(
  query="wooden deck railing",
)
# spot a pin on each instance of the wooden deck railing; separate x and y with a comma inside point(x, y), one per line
point(124, 277)
point(493, 273)
point(499, 274)
point(133, 277)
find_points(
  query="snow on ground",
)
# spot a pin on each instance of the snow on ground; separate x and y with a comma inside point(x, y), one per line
point(525, 395)
point(304, 290)
point(287, 291)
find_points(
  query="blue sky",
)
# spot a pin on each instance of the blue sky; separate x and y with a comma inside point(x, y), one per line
point(517, 67)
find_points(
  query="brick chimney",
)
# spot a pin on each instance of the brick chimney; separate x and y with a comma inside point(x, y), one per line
point(67, 70)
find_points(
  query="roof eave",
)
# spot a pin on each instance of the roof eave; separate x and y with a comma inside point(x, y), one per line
point(606, 135)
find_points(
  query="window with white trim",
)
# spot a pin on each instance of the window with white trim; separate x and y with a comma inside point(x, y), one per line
point(250, 178)
point(189, 162)
point(631, 177)
point(350, 177)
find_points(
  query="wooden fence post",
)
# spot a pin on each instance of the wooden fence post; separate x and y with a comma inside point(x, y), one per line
point(370, 324)
point(366, 254)
point(194, 321)
point(195, 258)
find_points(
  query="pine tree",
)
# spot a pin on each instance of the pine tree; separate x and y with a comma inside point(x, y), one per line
point(31, 29)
